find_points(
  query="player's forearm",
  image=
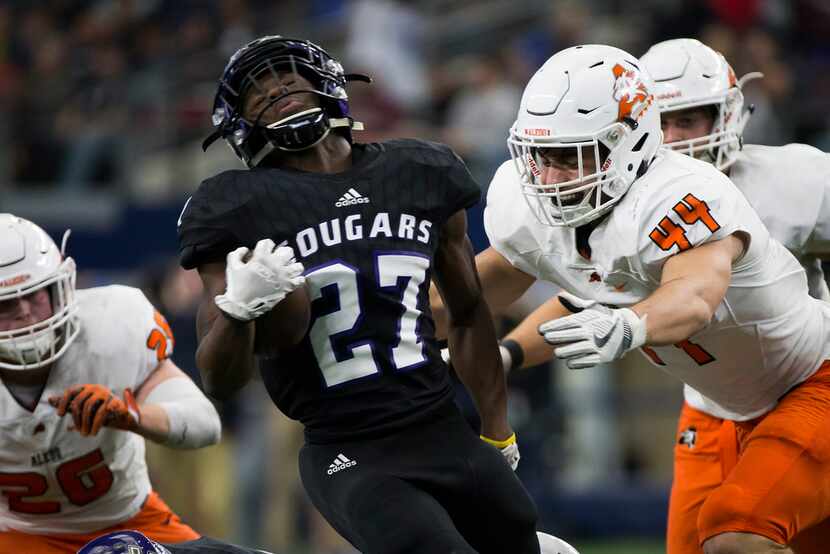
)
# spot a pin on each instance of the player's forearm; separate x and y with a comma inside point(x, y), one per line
point(536, 351)
point(225, 356)
point(694, 284)
point(674, 312)
point(177, 414)
point(476, 359)
point(154, 424)
point(501, 285)
point(439, 312)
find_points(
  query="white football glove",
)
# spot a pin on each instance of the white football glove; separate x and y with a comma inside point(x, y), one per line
point(509, 448)
point(256, 286)
point(594, 334)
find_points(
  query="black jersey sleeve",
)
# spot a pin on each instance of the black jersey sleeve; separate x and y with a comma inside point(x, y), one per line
point(463, 190)
point(204, 233)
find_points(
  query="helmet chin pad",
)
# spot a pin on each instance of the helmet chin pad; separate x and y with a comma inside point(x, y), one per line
point(298, 131)
point(29, 350)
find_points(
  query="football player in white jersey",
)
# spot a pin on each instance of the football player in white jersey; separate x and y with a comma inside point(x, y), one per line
point(660, 251)
point(703, 115)
point(86, 377)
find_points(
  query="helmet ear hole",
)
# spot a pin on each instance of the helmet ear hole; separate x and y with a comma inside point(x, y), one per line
point(604, 152)
point(639, 145)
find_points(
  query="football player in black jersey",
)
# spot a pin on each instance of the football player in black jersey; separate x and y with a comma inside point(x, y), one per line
point(388, 459)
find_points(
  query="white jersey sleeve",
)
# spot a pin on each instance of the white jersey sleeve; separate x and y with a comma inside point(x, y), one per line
point(789, 187)
point(510, 225)
point(77, 484)
point(128, 328)
point(690, 210)
point(819, 242)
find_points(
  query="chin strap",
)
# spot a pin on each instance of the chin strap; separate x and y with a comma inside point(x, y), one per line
point(213, 137)
point(346, 122)
point(301, 131)
point(64, 241)
point(751, 76)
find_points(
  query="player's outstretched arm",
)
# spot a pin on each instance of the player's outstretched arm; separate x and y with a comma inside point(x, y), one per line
point(174, 412)
point(501, 284)
point(167, 408)
point(471, 334)
point(225, 356)
point(525, 346)
point(693, 283)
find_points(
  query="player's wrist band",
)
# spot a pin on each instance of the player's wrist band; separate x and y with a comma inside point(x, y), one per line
point(500, 444)
point(517, 354)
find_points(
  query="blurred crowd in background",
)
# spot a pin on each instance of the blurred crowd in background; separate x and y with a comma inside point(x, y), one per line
point(104, 106)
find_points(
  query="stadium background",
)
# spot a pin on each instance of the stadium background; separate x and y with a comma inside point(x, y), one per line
point(104, 104)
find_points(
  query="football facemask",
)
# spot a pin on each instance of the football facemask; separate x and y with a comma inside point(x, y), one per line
point(30, 261)
point(253, 138)
point(594, 102)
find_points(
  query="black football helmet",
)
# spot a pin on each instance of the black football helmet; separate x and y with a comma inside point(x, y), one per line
point(252, 141)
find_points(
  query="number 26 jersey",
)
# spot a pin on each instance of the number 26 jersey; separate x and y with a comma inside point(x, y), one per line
point(53, 479)
point(369, 362)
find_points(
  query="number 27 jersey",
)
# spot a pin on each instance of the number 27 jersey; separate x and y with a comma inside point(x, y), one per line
point(367, 236)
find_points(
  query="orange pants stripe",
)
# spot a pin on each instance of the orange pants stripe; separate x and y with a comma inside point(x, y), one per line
point(155, 519)
point(769, 476)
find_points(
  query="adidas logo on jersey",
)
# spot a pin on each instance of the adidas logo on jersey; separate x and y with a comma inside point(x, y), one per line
point(340, 463)
point(351, 198)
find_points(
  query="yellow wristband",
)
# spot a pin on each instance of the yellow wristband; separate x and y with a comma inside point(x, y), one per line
point(500, 444)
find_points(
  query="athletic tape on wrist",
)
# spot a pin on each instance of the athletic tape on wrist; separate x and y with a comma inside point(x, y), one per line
point(517, 354)
point(500, 444)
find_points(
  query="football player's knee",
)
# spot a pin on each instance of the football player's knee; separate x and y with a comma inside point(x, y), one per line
point(728, 509)
point(524, 516)
point(742, 543)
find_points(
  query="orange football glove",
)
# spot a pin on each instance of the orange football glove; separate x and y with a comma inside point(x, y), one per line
point(94, 406)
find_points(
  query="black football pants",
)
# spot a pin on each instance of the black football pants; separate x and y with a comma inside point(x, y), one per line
point(431, 488)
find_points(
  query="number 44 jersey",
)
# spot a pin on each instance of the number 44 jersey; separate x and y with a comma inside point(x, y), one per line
point(53, 479)
point(367, 236)
point(766, 336)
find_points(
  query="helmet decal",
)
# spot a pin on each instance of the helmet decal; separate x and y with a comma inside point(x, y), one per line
point(631, 93)
point(16, 280)
point(585, 131)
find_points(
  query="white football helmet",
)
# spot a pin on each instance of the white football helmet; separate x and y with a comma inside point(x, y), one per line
point(548, 544)
point(595, 97)
point(29, 261)
point(688, 74)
